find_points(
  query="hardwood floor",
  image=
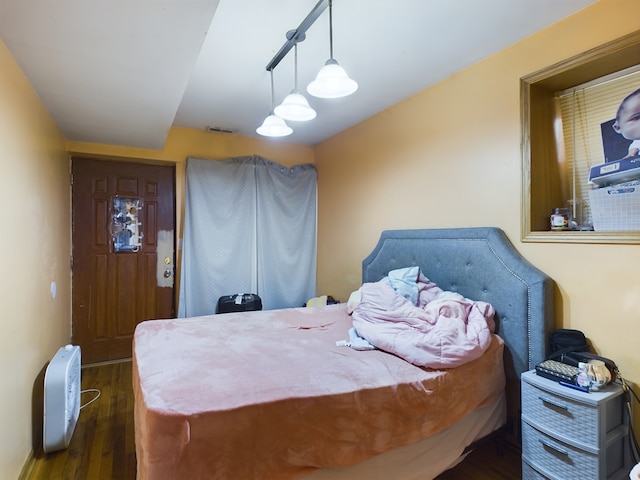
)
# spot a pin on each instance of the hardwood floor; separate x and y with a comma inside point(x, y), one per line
point(485, 463)
point(103, 445)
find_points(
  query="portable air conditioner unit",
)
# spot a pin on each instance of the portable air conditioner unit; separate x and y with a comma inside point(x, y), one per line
point(61, 398)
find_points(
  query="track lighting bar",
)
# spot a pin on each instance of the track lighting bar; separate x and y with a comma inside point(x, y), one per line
point(298, 34)
point(331, 82)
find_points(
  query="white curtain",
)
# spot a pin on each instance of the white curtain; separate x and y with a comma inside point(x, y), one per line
point(249, 227)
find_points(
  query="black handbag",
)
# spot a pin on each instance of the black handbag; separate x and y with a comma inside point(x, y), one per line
point(570, 347)
point(564, 341)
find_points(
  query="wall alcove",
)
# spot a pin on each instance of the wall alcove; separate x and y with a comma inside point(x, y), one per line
point(542, 188)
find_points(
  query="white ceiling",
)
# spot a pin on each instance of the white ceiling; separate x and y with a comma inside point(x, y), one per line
point(122, 72)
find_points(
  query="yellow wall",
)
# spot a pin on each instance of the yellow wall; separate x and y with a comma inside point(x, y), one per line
point(450, 157)
point(184, 142)
point(35, 241)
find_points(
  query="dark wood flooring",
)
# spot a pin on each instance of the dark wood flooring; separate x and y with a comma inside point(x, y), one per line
point(103, 447)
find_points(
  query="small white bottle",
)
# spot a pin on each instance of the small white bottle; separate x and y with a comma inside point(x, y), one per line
point(584, 380)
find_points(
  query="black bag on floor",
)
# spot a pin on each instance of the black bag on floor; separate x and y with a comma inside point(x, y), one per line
point(241, 302)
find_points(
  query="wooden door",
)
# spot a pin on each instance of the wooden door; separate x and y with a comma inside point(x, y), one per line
point(123, 252)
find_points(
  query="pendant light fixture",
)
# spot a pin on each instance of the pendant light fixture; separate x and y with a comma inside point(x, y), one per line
point(332, 81)
point(295, 107)
point(273, 125)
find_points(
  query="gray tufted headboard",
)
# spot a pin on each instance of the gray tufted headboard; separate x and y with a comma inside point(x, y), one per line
point(480, 264)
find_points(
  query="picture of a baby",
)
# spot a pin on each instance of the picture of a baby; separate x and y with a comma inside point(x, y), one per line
point(627, 121)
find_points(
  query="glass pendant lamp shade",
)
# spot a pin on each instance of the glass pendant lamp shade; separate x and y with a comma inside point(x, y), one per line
point(274, 126)
point(332, 82)
point(295, 107)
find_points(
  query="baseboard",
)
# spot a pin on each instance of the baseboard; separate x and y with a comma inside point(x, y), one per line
point(27, 468)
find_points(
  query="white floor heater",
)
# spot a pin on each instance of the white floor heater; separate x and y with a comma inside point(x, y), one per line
point(61, 398)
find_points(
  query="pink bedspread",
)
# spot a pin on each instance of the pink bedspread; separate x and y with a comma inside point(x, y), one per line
point(443, 330)
point(268, 394)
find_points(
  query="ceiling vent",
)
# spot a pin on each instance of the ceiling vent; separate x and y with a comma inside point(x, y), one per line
point(220, 130)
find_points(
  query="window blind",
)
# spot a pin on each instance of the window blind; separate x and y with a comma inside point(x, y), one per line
point(586, 115)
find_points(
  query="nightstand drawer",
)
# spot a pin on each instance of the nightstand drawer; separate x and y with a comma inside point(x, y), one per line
point(528, 473)
point(567, 462)
point(546, 454)
point(569, 419)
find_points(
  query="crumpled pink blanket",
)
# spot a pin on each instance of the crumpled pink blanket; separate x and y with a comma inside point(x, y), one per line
point(444, 330)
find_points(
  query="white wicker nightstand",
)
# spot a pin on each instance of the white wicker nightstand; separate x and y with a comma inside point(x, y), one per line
point(568, 434)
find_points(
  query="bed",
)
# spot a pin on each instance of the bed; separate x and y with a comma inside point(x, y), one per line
point(277, 394)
